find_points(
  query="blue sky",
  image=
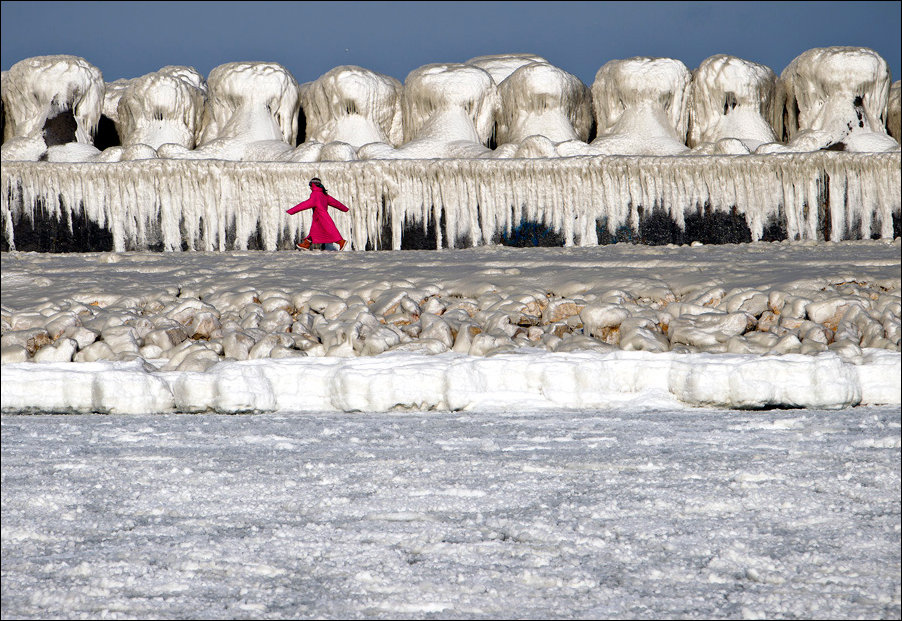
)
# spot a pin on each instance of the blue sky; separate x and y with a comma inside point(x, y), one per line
point(129, 39)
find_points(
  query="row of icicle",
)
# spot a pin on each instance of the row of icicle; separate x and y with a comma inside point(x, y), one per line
point(205, 203)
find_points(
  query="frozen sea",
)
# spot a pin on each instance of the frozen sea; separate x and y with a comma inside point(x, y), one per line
point(627, 513)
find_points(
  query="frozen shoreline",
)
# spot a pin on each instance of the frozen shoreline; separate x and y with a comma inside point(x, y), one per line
point(810, 325)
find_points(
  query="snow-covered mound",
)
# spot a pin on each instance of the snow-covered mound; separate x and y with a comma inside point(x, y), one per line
point(448, 110)
point(162, 107)
point(641, 107)
point(836, 97)
point(39, 90)
point(541, 100)
point(250, 113)
point(731, 99)
point(353, 105)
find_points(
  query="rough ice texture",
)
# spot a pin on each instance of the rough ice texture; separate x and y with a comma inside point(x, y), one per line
point(162, 107)
point(250, 113)
point(538, 99)
point(836, 96)
point(218, 205)
point(40, 88)
point(894, 111)
point(641, 106)
point(731, 98)
point(800, 324)
point(353, 105)
point(500, 66)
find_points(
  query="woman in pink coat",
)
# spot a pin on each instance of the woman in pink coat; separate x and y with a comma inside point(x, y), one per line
point(323, 230)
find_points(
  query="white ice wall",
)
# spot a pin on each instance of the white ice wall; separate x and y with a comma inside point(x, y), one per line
point(204, 202)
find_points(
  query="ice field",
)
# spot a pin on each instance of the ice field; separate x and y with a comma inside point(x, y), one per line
point(622, 513)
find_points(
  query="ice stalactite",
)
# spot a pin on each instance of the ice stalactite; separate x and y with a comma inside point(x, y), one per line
point(162, 107)
point(894, 111)
point(353, 106)
point(731, 99)
point(45, 88)
point(641, 107)
point(835, 97)
point(542, 103)
point(220, 205)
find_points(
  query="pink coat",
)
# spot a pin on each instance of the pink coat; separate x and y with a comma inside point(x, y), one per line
point(323, 230)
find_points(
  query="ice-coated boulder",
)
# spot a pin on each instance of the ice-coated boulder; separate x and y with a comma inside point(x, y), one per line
point(38, 93)
point(539, 99)
point(836, 97)
point(352, 105)
point(731, 98)
point(641, 107)
point(162, 107)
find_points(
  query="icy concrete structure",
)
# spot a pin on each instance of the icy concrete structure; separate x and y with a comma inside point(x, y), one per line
point(162, 107)
point(354, 106)
point(641, 107)
point(39, 91)
point(539, 99)
point(731, 99)
point(894, 111)
point(836, 97)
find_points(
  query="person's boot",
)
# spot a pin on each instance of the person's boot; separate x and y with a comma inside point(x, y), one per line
point(342, 243)
point(304, 245)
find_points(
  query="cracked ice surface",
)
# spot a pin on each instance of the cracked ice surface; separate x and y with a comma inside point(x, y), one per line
point(618, 513)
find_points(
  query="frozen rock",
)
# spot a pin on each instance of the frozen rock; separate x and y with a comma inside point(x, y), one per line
point(13, 353)
point(61, 351)
point(32, 339)
point(98, 350)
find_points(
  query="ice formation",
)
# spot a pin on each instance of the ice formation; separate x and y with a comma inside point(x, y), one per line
point(353, 105)
point(812, 325)
point(894, 111)
point(836, 97)
point(448, 110)
point(42, 89)
point(731, 98)
point(448, 118)
point(539, 99)
point(162, 107)
point(250, 113)
point(212, 204)
point(641, 107)
point(500, 66)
